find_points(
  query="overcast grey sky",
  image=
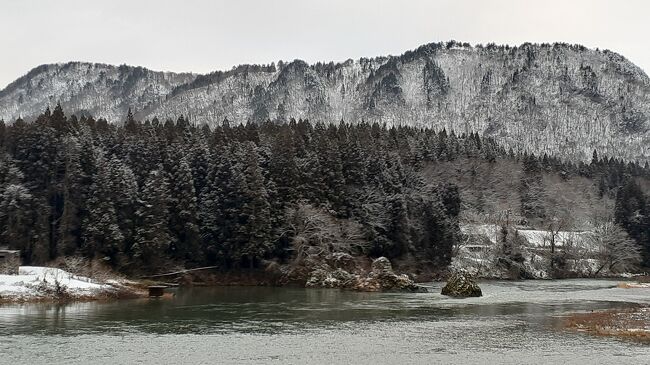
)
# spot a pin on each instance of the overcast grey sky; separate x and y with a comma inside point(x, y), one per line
point(203, 35)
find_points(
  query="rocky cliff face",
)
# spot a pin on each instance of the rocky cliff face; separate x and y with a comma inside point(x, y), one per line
point(561, 99)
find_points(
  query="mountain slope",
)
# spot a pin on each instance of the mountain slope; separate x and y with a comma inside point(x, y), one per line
point(561, 99)
point(87, 88)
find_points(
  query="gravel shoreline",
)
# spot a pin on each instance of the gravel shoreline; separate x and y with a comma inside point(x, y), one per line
point(631, 323)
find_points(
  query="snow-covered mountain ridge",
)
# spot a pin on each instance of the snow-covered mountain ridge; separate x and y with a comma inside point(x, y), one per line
point(100, 90)
point(562, 99)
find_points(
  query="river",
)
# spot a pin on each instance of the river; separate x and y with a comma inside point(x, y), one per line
point(513, 323)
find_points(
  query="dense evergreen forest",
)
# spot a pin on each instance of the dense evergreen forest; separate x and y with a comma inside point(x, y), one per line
point(142, 196)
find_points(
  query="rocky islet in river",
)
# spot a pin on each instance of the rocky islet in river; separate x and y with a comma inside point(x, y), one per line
point(381, 277)
point(461, 285)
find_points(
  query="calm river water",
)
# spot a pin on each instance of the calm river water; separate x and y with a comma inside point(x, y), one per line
point(514, 323)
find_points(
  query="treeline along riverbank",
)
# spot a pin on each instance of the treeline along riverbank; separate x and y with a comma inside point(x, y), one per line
point(147, 196)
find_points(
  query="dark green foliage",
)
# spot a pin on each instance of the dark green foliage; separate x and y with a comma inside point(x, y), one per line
point(72, 200)
point(283, 169)
point(142, 196)
point(397, 240)
point(632, 212)
point(254, 220)
point(101, 234)
point(152, 237)
point(183, 211)
point(20, 225)
point(440, 230)
point(531, 191)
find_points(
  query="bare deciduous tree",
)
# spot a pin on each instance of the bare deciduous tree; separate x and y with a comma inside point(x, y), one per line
point(317, 233)
point(616, 251)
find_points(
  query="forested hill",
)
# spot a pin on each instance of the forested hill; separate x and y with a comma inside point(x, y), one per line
point(87, 89)
point(142, 196)
point(564, 100)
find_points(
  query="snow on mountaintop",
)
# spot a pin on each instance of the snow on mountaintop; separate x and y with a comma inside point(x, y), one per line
point(560, 99)
point(87, 88)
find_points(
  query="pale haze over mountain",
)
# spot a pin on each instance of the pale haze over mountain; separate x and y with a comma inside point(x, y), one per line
point(204, 36)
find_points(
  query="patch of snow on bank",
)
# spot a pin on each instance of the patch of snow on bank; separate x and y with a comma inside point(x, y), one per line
point(539, 238)
point(480, 255)
point(35, 281)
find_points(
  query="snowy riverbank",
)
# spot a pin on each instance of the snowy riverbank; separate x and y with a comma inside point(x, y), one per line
point(36, 283)
point(535, 254)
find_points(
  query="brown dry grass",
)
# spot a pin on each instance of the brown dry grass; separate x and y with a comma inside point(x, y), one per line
point(631, 323)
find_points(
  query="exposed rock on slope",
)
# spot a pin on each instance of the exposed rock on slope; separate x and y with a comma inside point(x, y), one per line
point(561, 99)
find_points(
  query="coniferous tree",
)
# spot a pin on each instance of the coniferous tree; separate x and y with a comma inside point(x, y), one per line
point(130, 125)
point(101, 235)
point(531, 190)
point(19, 224)
point(397, 227)
point(327, 149)
point(200, 165)
point(632, 212)
point(3, 133)
point(58, 121)
point(255, 214)
point(184, 213)
point(70, 226)
point(282, 166)
point(440, 224)
point(124, 188)
point(219, 209)
point(152, 238)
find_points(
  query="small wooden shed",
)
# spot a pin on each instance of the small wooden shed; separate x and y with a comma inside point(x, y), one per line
point(156, 290)
point(9, 261)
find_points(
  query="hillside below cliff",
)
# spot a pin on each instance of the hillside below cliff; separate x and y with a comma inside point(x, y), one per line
point(560, 99)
